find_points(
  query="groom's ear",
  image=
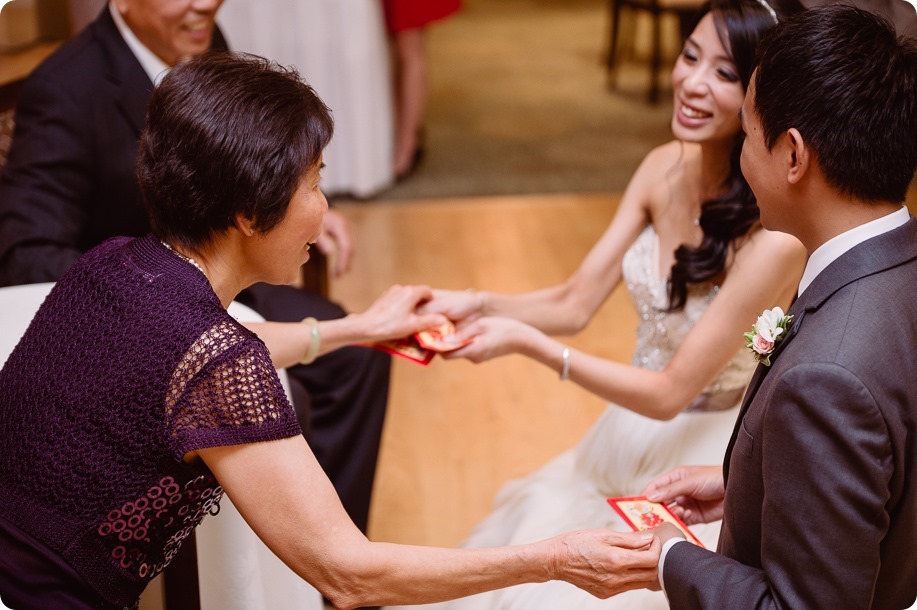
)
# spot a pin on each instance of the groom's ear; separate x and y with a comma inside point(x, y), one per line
point(797, 155)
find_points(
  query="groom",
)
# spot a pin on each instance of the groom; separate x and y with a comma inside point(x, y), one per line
point(818, 493)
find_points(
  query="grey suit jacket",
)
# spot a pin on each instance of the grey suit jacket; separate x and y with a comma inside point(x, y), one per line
point(821, 496)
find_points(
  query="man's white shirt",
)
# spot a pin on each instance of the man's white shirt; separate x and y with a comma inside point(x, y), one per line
point(154, 67)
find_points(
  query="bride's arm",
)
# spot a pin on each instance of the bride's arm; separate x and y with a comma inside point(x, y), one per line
point(566, 308)
point(764, 274)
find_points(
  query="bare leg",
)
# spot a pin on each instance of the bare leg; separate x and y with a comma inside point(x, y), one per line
point(412, 96)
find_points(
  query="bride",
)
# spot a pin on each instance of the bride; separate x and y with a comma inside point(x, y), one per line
point(687, 242)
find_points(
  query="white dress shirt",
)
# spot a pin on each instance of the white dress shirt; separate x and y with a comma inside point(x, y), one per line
point(154, 67)
point(832, 249)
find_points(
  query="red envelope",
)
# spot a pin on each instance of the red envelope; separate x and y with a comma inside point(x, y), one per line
point(406, 348)
point(422, 346)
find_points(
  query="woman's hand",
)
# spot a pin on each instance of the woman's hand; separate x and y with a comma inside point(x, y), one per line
point(395, 313)
point(604, 562)
point(694, 493)
point(491, 338)
point(457, 305)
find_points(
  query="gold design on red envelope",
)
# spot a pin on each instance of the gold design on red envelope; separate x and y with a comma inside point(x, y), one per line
point(641, 515)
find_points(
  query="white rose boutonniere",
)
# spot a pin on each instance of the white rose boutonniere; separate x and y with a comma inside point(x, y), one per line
point(768, 331)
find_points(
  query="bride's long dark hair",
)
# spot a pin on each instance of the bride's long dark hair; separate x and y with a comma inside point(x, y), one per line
point(726, 219)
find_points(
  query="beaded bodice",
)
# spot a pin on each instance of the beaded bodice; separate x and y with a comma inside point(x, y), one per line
point(659, 332)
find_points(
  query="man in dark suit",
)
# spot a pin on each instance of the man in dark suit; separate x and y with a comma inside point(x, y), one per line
point(817, 493)
point(70, 183)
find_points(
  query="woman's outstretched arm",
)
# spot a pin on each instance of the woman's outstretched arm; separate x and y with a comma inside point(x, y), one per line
point(285, 497)
point(392, 316)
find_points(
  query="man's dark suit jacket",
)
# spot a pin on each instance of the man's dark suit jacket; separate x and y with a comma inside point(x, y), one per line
point(70, 183)
point(821, 473)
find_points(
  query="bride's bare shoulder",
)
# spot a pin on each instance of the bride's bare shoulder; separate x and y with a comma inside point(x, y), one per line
point(663, 169)
point(670, 157)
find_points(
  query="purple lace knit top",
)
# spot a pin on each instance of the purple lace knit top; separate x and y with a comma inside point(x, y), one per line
point(130, 363)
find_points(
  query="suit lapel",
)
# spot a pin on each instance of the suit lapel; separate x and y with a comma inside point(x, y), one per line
point(132, 87)
point(872, 256)
point(125, 72)
point(797, 310)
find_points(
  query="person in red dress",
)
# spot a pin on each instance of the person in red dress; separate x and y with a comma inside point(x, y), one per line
point(406, 21)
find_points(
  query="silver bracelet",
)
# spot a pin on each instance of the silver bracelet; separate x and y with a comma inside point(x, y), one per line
point(565, 369)
point(314, 340)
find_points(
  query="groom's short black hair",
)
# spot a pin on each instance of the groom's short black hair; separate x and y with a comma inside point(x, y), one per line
point(842, 77)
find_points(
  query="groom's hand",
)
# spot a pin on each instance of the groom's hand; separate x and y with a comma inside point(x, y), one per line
point(667, 531)
point(694, 493)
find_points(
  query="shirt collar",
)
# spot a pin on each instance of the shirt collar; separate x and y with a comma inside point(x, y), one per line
point(154, 67)
point(832, 249)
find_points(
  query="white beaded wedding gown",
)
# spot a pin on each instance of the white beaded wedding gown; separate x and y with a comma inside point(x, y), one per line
point(619, 455)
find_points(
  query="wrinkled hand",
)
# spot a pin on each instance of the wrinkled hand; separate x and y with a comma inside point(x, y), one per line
point(335, 242)
point(457, 305)
point(394, 314)
point(491, 338)
point(694, 493)
point(604, 562)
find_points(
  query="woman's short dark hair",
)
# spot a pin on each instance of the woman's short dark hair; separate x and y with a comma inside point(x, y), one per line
point(740, 25)
point(227, 134)
point(848, 83)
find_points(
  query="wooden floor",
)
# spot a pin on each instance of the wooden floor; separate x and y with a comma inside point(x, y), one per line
point(456, 431)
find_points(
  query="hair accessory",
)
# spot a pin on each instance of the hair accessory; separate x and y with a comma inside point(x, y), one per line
point(565, 369)
point(769, 9)
point(314, 341)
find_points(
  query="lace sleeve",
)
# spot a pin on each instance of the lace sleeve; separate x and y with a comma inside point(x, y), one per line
point(225, 391)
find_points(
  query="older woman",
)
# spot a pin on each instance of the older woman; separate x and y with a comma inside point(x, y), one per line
point(134, 399)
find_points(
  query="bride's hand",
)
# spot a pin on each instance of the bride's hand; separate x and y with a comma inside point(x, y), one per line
point(491, 337)
point(457, 305)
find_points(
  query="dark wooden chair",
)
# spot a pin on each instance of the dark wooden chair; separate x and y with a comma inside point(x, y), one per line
point(685, 10)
